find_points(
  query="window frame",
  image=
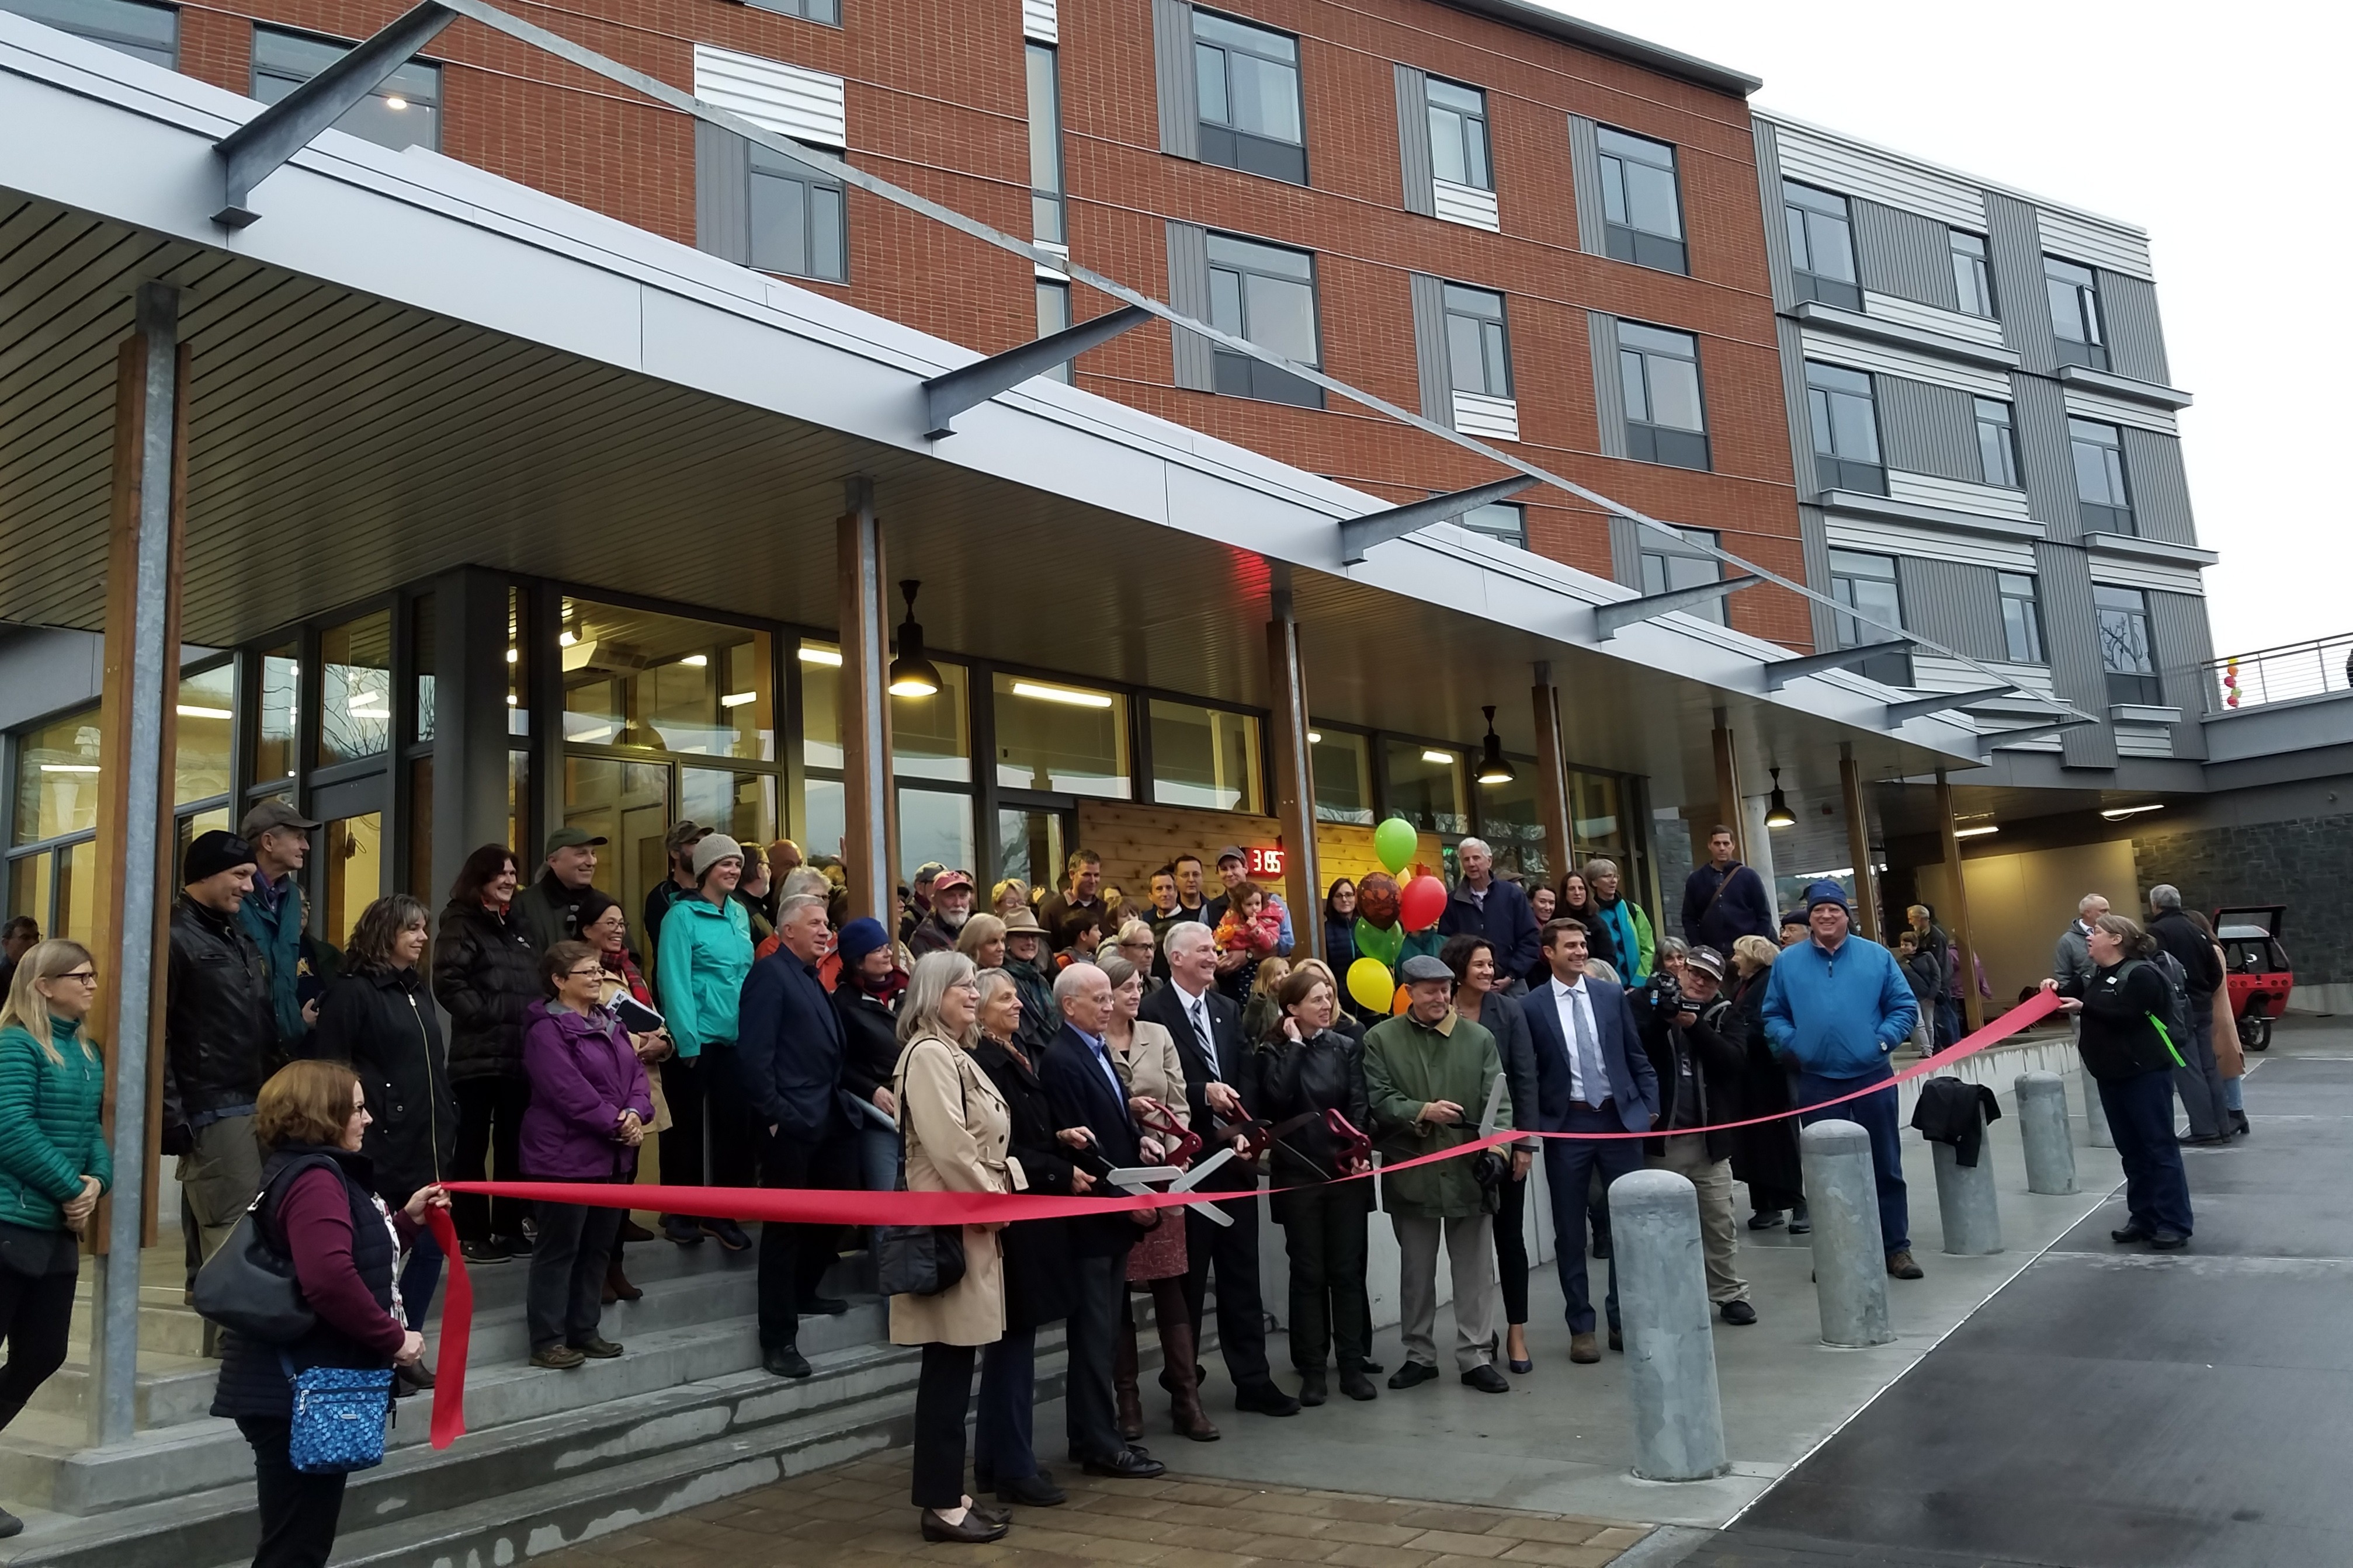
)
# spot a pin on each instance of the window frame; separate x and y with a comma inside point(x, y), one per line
point(1977, 268)
point(1622, 238)
point(810, 183)
point(2112, 514)
point(2140, 686)
point(1054, 316)
point(1664, 579)
point(2021, 594)
point(1045, 102)
point(1648, 440)
point(1893, 669)
point(1999, 434)
point(1832, 470)
point(1224, 143)
point(1473, 134)
point(1516, 533)
point(1497, 345)
point(1264, 382)
point(137, 48)
point(2080, 311)
point(257, 73)
point(803, 10)
point(1797, 219)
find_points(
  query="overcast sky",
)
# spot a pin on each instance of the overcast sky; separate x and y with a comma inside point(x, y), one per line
point(2211, 128)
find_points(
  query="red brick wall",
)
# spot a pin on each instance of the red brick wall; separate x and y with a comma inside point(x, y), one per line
point(937, 104)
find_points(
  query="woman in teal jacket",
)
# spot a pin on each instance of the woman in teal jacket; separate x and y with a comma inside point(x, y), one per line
point(706, 951)
point(53, 1162)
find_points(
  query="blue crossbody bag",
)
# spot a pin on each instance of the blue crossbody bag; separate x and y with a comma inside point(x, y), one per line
point(341, 1417)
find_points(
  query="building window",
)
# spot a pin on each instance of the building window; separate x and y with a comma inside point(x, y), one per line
point(1206, 758)
point(1846, 429)
point(1997, 443)
point(1478, 349)
point(1458, 136)
point(2021, 617)
point(405, 110)
point(1507, 520)
point(1821, 246)
point(1659, 370)
point(826, 11)
point(1267, 294)
point(1666, 569)
point(2102, 499)
point(1343, 765)
point(1053, 316)
point(1972, 279)
point(1866, 585)
point(355, 689)
point(1059, 739)
point(1046, 145)
point(150, 33)
point(2074, 293)
point(796, 219)
point(1641, 210)
point(1247, 80)
point(665, 684)
point(2125, 651)
point(1425, 785)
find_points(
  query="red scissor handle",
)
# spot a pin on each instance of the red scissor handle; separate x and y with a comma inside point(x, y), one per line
point(1355, 1148)
point(1157, 1118)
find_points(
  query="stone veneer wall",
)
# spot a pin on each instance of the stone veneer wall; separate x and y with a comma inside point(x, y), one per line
point(2305, 863)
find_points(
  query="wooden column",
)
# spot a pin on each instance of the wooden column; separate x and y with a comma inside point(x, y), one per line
point(1727, 792)
point(1857, 843)
point(137, 724)
point(1957, 909)
point(1551, 774)
point(1294, 778)
point(870, 846)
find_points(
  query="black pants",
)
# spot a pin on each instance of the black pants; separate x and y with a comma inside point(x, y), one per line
point(565, 1292)
point(1232, 1251)
point(1098, 1292)
point(490, 1123)
point(943, 1395)
point(2139, 1110)
point(297, 1511)
point(708, 1115)
point(794, 1258)
point(1003, 1447)
point(1323, 1236)
point(1512, 1247)
point(33, 1313)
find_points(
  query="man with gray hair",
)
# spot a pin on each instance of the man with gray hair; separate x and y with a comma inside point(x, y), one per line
point(2071, 962)
point(2199, 1080)
point(1495, 911)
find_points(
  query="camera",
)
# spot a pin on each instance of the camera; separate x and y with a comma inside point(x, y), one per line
point(1666, 993)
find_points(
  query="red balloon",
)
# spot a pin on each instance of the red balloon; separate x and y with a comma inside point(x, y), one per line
point(1422, 902)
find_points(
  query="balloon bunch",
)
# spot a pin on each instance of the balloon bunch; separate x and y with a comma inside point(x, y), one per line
point(1387, 912)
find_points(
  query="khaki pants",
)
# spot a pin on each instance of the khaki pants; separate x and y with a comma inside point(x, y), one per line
point(219, 1178)
point(1471, 1252)
point(1686, 1156)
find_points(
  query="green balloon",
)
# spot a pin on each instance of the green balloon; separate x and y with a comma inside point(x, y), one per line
point(1372, 942)
point(1396, 842)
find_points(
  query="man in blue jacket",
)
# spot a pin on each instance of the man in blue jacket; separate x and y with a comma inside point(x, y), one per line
point(1497, 912)
point(1834, 1008)
point(1725, 900)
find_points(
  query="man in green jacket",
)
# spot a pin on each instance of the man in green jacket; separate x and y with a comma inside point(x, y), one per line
point(1427, 1075)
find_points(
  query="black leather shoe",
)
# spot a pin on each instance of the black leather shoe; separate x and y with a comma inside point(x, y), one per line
point(1033, 1491)
point(1600, 1247)
point(1373, 1368)
point(2167, 1240)
point(1486, 1380)
point(1411, 1372)
point(478, 1253)
point(824, 1307)
point(1265, 1399)
point(1314, 1387)
point(1739, 1312)
point(10, 1524)
point(1127, 1465)
point(1766, 1219)
point(976, 1529)
point(1356, 1386)
point(1617, 1339)
point(519, 1246)
point(784, 1360)
point(598, 1349)
point(2129, 1234)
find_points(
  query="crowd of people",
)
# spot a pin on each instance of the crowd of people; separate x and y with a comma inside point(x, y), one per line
point(1041, 1043)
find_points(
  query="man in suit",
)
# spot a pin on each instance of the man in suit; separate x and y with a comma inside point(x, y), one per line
point(1592, 1076)
point(1084, 1090)
point(788, 1054)
point(1220, 1080)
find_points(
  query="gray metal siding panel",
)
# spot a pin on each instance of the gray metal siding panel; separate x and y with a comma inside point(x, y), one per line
point(2176, 626)
point(2072, 631)
point(1585, 177)
point(1626, 550)
point(2040, 412)
point(1429, 348)
point(1929, 429)
point(1413, 141)
point(1188, 291)
point(722, 192)
point(2135, 339)
point(1813, 538)
point(1954, 605)
point(1793, 393)
point(1776, 233)
point(2160, 489)
point(1608, 395)
point(1172, 73)
point(1903, 254)
point(2014, 251)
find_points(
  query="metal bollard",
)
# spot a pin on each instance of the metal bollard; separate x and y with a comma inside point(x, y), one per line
point(1669, 1335)
point(2096, 1115)
point(1966, 1200)
point(2042, 1128)
point(1849, 1262)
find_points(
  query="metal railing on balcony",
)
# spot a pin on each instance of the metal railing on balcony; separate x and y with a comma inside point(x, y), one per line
point(2270, 675)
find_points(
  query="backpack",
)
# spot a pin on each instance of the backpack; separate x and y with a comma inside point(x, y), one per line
point(2173, 1024)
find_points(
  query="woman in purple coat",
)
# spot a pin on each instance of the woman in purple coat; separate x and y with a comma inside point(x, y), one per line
point(589, 1107)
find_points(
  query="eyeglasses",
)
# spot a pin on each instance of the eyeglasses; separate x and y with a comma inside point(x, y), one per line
point(593, 970)
point(971, 985)
point(86, 977)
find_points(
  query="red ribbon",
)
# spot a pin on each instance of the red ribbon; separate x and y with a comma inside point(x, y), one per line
point(801, 1206)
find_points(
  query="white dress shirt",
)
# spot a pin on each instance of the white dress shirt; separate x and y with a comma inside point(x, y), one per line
point(1569, 1001)
point(1197, 1012)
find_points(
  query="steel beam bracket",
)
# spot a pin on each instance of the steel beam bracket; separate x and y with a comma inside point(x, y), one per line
point(1781, 671)
point(1989, 739)
point(1898, 713)
point(1609, 620)
point(950, 394)
point(1359, 535)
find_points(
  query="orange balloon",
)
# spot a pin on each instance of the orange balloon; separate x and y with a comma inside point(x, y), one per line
point(1400, 1002)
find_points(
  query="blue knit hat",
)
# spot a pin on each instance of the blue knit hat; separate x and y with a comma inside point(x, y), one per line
point(861, 937)
point(1824, 892)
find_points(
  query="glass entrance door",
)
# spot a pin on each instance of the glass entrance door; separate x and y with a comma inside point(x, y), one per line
point(1031, 842)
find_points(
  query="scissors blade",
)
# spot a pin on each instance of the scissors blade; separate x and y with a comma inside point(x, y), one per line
point(1494, 1108)
point(1133, 1177)
point(1192, 1178)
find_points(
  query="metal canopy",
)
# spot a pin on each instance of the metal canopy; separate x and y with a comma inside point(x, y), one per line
point(1944, 702)
point(1609, 620)
point(1782, 671)
point(946, 396)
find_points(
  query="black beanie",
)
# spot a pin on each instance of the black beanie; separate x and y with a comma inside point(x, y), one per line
point(213, 853)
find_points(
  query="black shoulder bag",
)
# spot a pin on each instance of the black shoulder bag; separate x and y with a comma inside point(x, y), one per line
point(916, 1259)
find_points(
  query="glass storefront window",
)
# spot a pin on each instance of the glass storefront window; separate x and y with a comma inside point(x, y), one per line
point(823, 815)
point(1067, 739)
point(1598, 826)
point(420, 831)
point(741, 805)
point(1512, 823)
point(1204, 757)
point(1343, 776)
point(1029, 845)
point(31, 879)
point(77, 893)
point(518, 703)
point(820, 670)
point(274, 725)
point(422, 632)
point(355, 689)
point(205, 728)
point(518, 804)
point(58, 777)
point(1425, 785)
point(354, 849)
point(626, 805)
point(633, 677)
point(934, 826)
point(931, 737)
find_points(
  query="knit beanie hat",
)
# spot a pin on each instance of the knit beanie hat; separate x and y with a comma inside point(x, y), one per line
point(711, 851)
point(213, 853)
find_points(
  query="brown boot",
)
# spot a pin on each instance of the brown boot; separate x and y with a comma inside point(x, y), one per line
point(616, 1284)
point(1122, 1380)
point(1185, 1393)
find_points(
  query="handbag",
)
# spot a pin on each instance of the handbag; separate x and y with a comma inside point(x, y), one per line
point(247, 1287)
point(916, 1259)
point(340, 1414)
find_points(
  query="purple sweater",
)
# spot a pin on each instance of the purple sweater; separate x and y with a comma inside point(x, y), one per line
point(583, 1075)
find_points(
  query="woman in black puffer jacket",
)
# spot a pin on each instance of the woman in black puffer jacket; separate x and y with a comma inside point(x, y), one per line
point(2125, 1050)
point(486, 973)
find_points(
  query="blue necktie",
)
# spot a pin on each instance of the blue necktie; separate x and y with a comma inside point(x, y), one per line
point(1589, 1053)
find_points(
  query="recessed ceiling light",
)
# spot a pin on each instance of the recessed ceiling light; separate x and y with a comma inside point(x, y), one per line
point(190, 711)
point(1062, 694)
point(1445, 758)
point(1980, 831)
point(695, 661)
point(826, 656)
point(737, 698)
point(2118, 813)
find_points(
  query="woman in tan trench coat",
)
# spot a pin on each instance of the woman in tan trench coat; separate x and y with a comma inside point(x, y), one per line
point(955, 1128)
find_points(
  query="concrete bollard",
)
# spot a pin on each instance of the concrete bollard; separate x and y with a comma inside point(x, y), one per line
point(1850, 1261)
point(2042, 1128)
point(2096, 1115)
point(1670, 1335)
point(1966, 1200)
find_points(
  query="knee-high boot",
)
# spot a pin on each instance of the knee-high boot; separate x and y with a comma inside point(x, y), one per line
point(1122, 1375)
point(1179, 1353)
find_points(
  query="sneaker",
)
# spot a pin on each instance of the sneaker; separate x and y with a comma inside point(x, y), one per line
point(558, 1358)
point(598, 1349)
point(727, 1234)
point(513, 1246)
point(1739, 1312)
point(482, 1253)
point(1801, 1222)
point(681, 1231)
point(1766, 1219)
point(1901, 1267)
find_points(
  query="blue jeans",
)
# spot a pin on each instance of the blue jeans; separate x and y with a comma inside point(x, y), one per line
point(419, 1277)
point(1877, 1115)
point(1003, 1447)
point(1570, 1165)
point(2140, 1116)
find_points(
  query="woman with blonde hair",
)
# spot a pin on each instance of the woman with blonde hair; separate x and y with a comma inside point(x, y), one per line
point(1008, 896)
point(982, 940)
point(1764, 1156)
point(956, 1131)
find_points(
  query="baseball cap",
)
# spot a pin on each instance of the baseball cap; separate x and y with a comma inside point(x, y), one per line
point(928, 871)
point(1232, 852)
point(1706, 960)
point(947, 879)
point(269, 814)
point(571, 838)
point(681, 833)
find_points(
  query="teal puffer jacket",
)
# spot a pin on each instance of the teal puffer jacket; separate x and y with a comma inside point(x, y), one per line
point(50, 1136)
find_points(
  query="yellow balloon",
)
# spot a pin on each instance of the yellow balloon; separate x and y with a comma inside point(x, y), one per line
point(1370, 983)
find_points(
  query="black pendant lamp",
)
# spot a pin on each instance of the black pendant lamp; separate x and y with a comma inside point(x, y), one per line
point(913, 675)
point(1776, 812)
point(1492, 768)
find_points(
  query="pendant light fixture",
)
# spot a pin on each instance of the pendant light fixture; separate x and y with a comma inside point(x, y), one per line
point(1778, 813)
point(913, 675)
point(1492, 768)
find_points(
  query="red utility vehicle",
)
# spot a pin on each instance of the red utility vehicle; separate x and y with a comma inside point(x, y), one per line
point(2255, 968)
